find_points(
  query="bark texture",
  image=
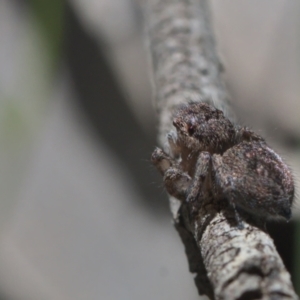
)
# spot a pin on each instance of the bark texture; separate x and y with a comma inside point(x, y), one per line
point(229, 263)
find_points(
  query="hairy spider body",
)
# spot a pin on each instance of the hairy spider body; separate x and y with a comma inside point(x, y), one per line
point(210, 155)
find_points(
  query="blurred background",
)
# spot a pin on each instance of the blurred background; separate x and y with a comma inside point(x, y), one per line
point(83, 214)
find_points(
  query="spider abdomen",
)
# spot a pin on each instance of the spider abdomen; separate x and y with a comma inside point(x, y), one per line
point(251, 175)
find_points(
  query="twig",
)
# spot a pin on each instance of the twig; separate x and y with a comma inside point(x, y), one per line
point(230, 263)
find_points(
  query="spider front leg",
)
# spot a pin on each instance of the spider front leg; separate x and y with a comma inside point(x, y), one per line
point(162, 161)
point(173, 144)
point(176, 181)
point(201, 172)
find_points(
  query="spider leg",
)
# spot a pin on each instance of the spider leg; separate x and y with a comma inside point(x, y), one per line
point(173, 146)
point(226, 184)
point(201, 172)
point(238, 219)
point(176, 181)
point(162, 160)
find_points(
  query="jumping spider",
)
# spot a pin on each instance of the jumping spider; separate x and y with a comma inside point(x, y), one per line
point(209, 154)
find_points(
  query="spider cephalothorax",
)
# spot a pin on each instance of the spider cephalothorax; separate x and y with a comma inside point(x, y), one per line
point(201, 127)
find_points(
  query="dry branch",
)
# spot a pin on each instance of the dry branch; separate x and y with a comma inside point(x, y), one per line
point(229, 263)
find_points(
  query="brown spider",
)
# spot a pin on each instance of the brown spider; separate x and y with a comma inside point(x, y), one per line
point(208, 153)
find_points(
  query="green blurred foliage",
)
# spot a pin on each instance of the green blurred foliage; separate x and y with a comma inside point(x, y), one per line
point(50, 17)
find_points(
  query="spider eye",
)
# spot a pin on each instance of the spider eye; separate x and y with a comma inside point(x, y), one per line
point(191, 130)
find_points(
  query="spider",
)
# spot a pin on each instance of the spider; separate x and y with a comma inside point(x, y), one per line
point(209, 154)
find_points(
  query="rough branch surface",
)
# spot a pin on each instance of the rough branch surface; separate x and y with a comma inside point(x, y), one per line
point(229, 263)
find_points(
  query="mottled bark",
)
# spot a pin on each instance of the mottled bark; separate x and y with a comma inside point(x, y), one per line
point(230, 263)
